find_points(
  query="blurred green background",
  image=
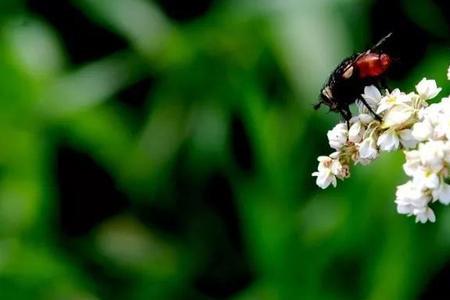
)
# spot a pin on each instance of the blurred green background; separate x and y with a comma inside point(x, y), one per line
point(164, 150)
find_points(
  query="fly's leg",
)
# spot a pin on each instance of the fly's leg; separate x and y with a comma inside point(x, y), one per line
point(370, 108)
point(347, 115)
point(381, 84)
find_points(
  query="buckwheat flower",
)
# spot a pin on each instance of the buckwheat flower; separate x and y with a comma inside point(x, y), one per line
point(336, 168)
point(392, 99)
point(372, 96)
point(398, 115)
point(388, 140)
point(325, 178)
point(324, 162)
point(441, 130)
point(356, 132)
point(337, 137)
point(407, 140)
point(412, 163)
point(422, 130)
point(408, 123)
point(440, 118)
point(432, 113)
point(442, 193)
point(327, 170)
point(330, 163)
point(445, 101)
point(427, 89)
point(432, 154)
point(411, 199)
point(404, 208)
point(368, 149)
point(424, 214)
point(426, 177)
point(365, 118)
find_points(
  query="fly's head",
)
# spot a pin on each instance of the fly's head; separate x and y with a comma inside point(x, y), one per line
point(326, 98)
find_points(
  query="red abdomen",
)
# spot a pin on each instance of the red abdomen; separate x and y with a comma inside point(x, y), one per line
point(372, 65)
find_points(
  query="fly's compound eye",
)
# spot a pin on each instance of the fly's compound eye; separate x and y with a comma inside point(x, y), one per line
point(327, 93)
point(328, 99)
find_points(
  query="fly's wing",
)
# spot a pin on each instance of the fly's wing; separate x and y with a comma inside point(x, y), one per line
point(372, 49)
point(380, 42)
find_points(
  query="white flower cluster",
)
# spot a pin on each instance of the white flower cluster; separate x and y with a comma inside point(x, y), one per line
point(408, 123)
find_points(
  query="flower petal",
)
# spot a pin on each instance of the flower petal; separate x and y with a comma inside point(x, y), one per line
point(444, 193)
point(422, 130)
point(427, 88)
point(388, 141)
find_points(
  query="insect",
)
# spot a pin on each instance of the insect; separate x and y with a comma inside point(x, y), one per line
point(346, 84)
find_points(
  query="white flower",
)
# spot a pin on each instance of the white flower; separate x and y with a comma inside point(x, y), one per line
point(336, 167)
point(365, 118)
point(448, 73)
point(327, 169)
point(337, 137)
point(356, 132)
point(416, 101)
point(427, 89)
point(372, 96)
point(325, 178)
point(388, 141)
point(411, 200)
point(436, 119)
point(412, 162)
point(368, 149)
point(431, 113)
point(442, 193)
point(407, 122)
point(445, 101)
point(424, 214)
point(334, 155)
point(422, 130)
point(432, 154)
point(442, 129)
point(398, 115)
point(404, 208)
point(409, 197)
point(407, 139)
point(324, 162)
point(392, 99)
point(447, 154)
point(426, 178)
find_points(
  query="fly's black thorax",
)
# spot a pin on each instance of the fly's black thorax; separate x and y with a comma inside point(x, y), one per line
point(344, 90)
